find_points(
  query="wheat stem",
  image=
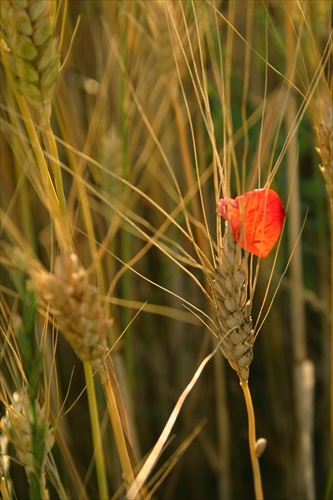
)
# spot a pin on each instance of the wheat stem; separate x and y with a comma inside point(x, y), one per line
point(331, 343)
point(57, 211)
point(96, 432)
point(323, 121)
point(302, 373)
point(51, 147)
point(77, 168)
point(22, 154)
point(118, 429)
point(252, 440)
point(126, 238)
point(3, 489)
point(46, 178)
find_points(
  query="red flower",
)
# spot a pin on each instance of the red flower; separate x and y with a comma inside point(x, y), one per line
point(256, 219)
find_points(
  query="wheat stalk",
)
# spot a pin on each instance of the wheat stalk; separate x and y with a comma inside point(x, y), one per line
point(78, 314)
point(324, 130)
point(325, 145)
point(29, 49)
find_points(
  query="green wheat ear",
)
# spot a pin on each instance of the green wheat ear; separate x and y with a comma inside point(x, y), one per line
point(32, 440)
point(29, 49)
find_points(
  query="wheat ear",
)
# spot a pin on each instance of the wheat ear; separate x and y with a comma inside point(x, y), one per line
point(17, 428)
point(29, 49)
point(77, 310)
point(233, 309)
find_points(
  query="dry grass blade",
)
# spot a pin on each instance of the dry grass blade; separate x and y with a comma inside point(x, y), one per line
point(156, 451)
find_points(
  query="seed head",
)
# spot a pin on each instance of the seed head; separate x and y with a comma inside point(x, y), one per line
point(233, 310)
point(29, 49)
point(17, 428)
point(76, 308)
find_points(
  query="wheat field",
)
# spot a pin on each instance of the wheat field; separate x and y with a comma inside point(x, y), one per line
point(123, 123)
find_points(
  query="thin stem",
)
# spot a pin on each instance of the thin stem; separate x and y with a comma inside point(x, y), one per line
point(46, 178)
point(96, 433)
point(3, 489)
point(252, 441)
point(189, 173)
point(126, 239)
point(51, 198)
point(79, 184)
point(330, 199)
point(303, 370)
point(117, 417)
point(51, 146)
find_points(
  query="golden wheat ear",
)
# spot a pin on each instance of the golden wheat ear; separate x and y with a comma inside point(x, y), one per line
point(233, 310)
point(77, 310)
point(29, 49)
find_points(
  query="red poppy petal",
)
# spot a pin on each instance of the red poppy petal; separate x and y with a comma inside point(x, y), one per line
point(256, 219)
